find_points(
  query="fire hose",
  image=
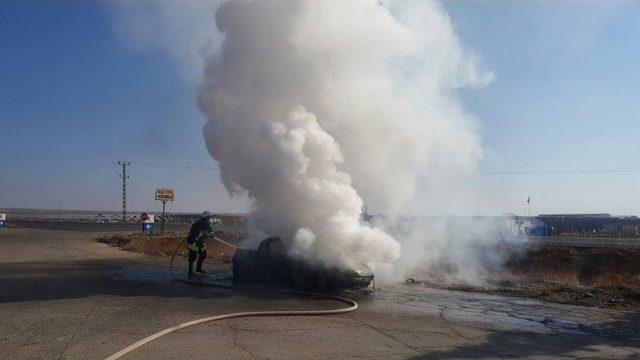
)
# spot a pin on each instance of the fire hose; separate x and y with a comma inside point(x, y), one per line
point(138, 344)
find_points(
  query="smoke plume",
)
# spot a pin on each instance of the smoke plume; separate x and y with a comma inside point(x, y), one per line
point(315, 107)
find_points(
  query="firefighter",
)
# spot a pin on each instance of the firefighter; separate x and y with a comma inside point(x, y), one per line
point(199, 232)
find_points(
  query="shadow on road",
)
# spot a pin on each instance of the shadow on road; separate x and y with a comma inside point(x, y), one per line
point(622, 333)
point(31, 281)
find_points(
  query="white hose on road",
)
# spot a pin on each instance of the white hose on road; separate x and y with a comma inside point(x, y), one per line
point(352, 307)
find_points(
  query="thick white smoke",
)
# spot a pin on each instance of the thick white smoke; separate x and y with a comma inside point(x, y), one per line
point(313, 106)
point(450, 250)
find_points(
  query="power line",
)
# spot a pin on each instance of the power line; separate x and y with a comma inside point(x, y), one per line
point(508, 172)
point(173, 166)
point(567, 171)
point(167, 176)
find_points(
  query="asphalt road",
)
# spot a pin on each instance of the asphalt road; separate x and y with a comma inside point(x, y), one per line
point(65, 296)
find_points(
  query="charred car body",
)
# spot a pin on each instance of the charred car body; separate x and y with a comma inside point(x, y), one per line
point(270, 265)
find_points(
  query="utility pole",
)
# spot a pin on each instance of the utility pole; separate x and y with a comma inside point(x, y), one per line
point(124, 177)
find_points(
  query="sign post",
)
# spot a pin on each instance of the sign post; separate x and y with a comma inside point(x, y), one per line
point(149, 223)
point(164, 195)
point(3, 220)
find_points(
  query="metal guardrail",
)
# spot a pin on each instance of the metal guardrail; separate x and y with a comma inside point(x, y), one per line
point(589, 242)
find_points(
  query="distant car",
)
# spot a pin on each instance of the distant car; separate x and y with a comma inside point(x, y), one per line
point(270, 265)
point(113, 221)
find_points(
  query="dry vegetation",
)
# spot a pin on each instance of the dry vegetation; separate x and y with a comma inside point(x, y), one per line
point(579, 266)
point(583, 276)
point(165, 244)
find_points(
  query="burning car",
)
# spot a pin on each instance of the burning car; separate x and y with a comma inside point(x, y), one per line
point(270, 265)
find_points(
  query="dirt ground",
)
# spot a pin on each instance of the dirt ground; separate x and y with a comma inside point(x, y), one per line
point(584, 276)
point(165, 244)
point(605, 278)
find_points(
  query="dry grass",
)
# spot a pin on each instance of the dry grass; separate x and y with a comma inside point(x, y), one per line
point(610, 279)
point(600, 268)
point(165, 244)
point(563, 278)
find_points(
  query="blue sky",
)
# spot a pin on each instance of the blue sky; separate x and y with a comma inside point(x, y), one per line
point(75, 98)
point(566, 96)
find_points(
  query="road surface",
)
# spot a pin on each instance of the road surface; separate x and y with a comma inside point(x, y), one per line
point(65, 296)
